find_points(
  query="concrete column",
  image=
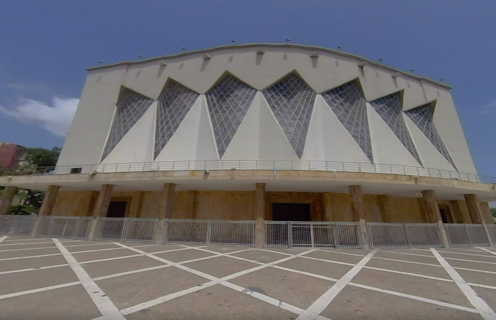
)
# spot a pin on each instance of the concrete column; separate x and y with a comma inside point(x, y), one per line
point(7, 197)
point(191, 204)
point(385, 206)
point(432, 210)
point(165, 208)
point(460, 211)
point(46, 207)
point(476, 214)
point(259, 214)
point(101, 207)
point(487, 216)
point(358, 212)
point(423, 213)
point(326, 198)
point(474, 208)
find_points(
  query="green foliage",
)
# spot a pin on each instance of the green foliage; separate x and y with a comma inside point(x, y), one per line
point(33, 198)
point(21, 209)
point(493, 212)
point(40, 157)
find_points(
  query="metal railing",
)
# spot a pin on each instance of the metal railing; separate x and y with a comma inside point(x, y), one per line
point(312, 234)
point(64, 227)
point(466, 235)
point(16, 224)
point(208, 165)
point(207, 232)
point(126, 229)
point(404, 235)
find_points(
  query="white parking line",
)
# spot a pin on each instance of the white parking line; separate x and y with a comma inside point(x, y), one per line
point(102, 302)
point(469, 254)
point(482, 307)
point(22, 293)
point(3, 238)
point(223, 282)
point(487, 250)
point(29, 257)
point(20, 244)
point(411, 262)
point(324, 300)
point(33, 269)
point(24, 249)
point(409, 254)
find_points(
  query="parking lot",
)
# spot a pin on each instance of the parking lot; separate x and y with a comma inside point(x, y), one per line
point(69, 279)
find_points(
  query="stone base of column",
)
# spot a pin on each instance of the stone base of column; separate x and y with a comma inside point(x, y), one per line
point(160, 231)
point(364, 234)
point(36, 226)
point(92, 229)
point(488, 234)
point(442, 233)
point(259, 233)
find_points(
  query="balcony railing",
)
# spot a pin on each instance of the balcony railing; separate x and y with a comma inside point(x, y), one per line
point(272, 165)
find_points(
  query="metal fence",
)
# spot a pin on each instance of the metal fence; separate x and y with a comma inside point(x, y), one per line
point(492, 232)
point(16, 224)
point(64, 227)
point(404, 234)
point(465, 235)
point(331, 166)
point(126, 229)
point(208, 232)
point(312, 234)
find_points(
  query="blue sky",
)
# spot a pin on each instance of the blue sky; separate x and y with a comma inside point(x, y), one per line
point(45, 47)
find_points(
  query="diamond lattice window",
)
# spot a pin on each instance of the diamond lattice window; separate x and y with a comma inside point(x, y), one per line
point(174, 103)
point(291, 100)
point(348, 104)
point(422, 117)
point(389, 109)
point(130, 108)
point(228, 103)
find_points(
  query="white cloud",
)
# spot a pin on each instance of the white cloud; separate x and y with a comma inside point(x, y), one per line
point(55, 117)
point(488, 108)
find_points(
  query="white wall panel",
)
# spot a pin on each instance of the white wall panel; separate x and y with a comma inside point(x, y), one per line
point(89, 129)
point(450, 129)
point(431, 158)
point(137, 144)
point(259, 137)
point(386, 146)
point(328, 139)
point(193, 139)
point(378, 83)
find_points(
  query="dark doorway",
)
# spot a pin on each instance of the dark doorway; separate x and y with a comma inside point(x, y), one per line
point(446, 215)
point(291, 212)
point(117, 209)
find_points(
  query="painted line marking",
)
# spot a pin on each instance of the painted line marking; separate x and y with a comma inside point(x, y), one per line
point(412, 262)
point(29, 257)
point(482, 307)
point(33, 269)
point(24, 249)
point(469, 254)
point(102, 302)
point(409, 254)
point(222, 281)
point(110, 259)
point(22, 293)
point(409, 296)
point(3, 238)
point(474, 270)
point(97, 250)
point(481, 285)
point(324, 300)
point(487, 250)
point(20, 244)
point(115, 275)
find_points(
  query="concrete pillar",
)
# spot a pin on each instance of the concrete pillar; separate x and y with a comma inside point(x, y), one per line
point(190, 211)
point(423, 213)
point(460, 211)
point(259, 214)
point(101, 207)
point(6, 200)
point(476, 214)
point(165, 208)
point(474, 208)
point(432, 210)
point(385, 206)
point(358, 212)
point(326, 199)
point(487, 215)
point(46, 207)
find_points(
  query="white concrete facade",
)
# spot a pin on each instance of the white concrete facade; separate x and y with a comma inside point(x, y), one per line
point(257, 75)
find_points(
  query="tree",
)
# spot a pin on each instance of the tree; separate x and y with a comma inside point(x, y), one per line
point(493, 212)
point(32, 199)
